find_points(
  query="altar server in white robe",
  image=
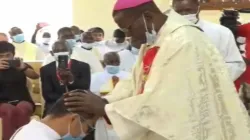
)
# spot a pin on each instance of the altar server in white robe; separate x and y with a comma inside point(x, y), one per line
point(180, 88)
point(221, 36)
point(65, 34)
point(26, 50)
point(129, 56)
point(104, 82)
point(119, 42)
point(44, 41)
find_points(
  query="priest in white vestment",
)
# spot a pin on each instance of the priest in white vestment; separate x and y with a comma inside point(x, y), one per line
point(180, 89)
point(221, 36)
point(117, 44)
point(104, 82)
point(24, 49)
point(129, 56)
point(65, 34)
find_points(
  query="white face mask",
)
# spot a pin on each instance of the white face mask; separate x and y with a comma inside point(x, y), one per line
point(241, 40)
point(151, 37)
point(46, 40)
point(192, 17)
point(88, 45)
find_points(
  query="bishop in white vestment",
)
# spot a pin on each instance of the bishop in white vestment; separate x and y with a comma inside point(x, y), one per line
point(180, 88)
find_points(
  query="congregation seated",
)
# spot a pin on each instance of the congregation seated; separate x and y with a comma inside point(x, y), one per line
point(16, 105)
point(58, 124)
point(104, 82)
point(56, 80)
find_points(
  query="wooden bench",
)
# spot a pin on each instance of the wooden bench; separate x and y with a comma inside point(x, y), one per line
point(34, 87)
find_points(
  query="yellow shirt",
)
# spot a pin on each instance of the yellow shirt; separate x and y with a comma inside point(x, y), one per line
point(28, 51)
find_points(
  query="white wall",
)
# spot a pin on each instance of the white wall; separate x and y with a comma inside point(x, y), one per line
point(27, 13)
point(91, 13)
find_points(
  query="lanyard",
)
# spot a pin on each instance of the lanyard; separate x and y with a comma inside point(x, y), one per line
point(58, 75)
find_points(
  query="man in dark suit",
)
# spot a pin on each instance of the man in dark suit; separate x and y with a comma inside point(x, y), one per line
point(56, 80)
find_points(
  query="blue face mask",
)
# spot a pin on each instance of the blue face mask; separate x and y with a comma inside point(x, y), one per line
point(77, 37)
point(18, 38)
point(70, 137)
point(112, 69)
point(71, 43)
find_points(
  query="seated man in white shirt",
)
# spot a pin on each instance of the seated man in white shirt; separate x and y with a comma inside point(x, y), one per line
point(58, 124)
point(103, 82)
point(79, 54)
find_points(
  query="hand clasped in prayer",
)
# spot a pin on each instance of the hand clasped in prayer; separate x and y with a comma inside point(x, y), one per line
point(66, 75)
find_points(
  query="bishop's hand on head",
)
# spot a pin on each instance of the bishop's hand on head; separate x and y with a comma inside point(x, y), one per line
point(85, 101)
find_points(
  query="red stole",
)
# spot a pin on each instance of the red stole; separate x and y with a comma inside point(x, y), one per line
point(147, 63)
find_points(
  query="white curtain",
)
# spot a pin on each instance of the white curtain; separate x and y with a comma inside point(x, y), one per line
point(27, 13)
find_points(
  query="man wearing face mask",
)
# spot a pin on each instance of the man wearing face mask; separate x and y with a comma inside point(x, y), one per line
point(77, 33)
point(42, 38)
point(221, 36)
point(56, 80)
point(151, 105)
point(118, 43)
point(58, 124)
point(88, 42)
point(82, 55)
point(129, 56)
point(104, 82)
point(24, 49)
point(45, 43)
